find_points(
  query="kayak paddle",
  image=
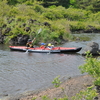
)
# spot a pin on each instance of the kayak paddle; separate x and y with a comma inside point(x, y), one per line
point(39, 31)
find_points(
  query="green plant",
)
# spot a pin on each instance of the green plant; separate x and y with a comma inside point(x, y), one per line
point(45, 97)
point(92, 67)
point(65, 98)
point(87, 94)
point(34, 98)
point(56, 82)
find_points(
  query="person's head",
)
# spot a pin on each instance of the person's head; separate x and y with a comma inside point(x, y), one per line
point(29, 41)
point(49, 44)
point(42, 43)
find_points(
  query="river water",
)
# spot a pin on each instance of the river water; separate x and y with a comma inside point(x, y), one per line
point(22, 72)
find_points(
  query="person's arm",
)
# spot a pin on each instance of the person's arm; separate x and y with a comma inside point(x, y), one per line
point(33, 40)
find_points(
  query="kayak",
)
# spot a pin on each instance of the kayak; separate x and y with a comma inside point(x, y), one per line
point(46, 49)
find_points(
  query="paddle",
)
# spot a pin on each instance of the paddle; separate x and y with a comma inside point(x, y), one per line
point(50, 49)
point(39, 31)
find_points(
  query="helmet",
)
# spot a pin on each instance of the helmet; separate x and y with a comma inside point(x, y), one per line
point(49, 44)
point(29, 40)
point(42, 43)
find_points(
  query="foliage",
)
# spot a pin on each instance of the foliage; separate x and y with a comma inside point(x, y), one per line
point(34, 98)
point(39, 9)
point(61, 21)
point(56, 82)
point(4, 10)
point(65, 98)
point(92, 67)
point(53, 14)
point(88, 94)
point(45, 97)
point(92, 5)
point(95, 18)
point(77, 25)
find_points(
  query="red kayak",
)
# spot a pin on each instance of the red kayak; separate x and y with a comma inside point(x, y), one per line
point(46, 49)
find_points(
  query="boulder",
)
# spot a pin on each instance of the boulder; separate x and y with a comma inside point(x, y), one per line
point(1, 36)
point(27, 29)
point(19, 40)
point(13, 41)
point(7, 30)
point(22, 40)
point(93, 47)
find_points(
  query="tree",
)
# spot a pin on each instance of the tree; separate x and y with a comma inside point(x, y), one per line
point(12, 2)
point(93, 5)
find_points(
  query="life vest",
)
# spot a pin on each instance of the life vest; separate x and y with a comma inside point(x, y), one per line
point(29, 44)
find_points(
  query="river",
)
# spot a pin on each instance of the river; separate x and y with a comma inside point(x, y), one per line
point(22, 72)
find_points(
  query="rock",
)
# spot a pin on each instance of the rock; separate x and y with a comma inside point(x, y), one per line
point(7, 30)
point(27, 29)
point(13, 41)
point(19, 40)
point(10, 21)
point(93, 47)
point(22, 40)
point(24, 24)
point(90, 29)
point(46, 24)
point(4, 25)
point(1, 39)
point(96, 98)
point(98, 88)
point(32, 21)
point(1, 36)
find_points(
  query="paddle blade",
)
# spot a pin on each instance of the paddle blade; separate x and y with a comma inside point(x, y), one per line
point(26, 51)
point(39, 30)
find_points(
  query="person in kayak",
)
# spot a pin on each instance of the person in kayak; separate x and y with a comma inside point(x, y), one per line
point(30, 43)
point(50, 46)
point(42, 45)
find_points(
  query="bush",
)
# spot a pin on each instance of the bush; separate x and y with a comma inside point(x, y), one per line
point(92, 67)
point(77, 14)
point(77, 25)
point(39, 8)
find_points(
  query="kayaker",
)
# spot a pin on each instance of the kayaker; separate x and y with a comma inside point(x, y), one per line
point(42, 45)
point(50, 45)
point(30, 43)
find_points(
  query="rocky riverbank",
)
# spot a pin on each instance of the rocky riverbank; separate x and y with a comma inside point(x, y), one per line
point(21, 39)
point(69, 88)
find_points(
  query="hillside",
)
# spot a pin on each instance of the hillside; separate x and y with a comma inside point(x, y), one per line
point(23, 19)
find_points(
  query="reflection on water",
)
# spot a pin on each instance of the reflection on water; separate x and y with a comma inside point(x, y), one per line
point(21, 72)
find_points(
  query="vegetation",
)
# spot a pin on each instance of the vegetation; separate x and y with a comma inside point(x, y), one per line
point(92, 67)
point(56, 18)
point(56, 82)
point(87, 94)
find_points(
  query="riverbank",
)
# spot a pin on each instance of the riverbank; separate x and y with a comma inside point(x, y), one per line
point(69, 88)
point(56, 22)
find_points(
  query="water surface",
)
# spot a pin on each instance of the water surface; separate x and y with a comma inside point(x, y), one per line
point(21, 72)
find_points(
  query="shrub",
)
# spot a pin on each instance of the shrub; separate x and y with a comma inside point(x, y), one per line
point(77, 25)
point(92, 67)
point(56, 82)
point(38, 8)
point(87, 94)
